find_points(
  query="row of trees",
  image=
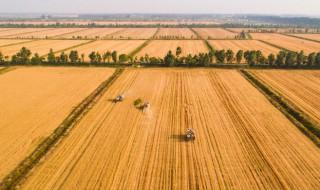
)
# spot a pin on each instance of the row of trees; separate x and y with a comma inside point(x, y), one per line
point(283, 58)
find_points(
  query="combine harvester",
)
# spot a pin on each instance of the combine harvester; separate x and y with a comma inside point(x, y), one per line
point(119, 98)
point(190, 135)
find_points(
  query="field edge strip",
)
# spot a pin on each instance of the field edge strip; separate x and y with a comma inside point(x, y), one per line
point(6, 69)
point(24, 167)
point(304, 123)
point(273, 45)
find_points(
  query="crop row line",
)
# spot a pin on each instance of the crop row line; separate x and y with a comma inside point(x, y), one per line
point(300, 119)
point(22, 170)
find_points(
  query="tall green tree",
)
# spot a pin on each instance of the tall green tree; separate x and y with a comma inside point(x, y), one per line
point(318, 59)
point(169, 59)
point(220, 56)
point(93, 57)
point(36, 59)
point(114, 56)
point(301, 58)
point(229, 56)
point(1, 58)
point(281, 56)
point(178, 51)
point(291, 59)
point(239, 56)
point(271, 59)
point(311, 59)
point(51, 58)
point(74, 56)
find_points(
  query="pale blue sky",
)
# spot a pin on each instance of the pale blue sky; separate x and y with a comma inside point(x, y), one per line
point(163, 6)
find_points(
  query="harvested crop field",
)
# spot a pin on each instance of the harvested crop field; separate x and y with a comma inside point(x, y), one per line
point(238, 145)
point(102, 46)
point(159, 48)
point(236, 45)
point(21, 31)
point(53, 32)
point(215, 33)
point(133, 33)
point(90, 33)
point(300, 87)
point(181, 33)
point(291, 43)
point(42, 47)
point(309, 36)
point(34, 101)
point(5, 42)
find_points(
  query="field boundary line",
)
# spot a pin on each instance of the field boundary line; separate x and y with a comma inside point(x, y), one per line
point(302, 38)
point(24, 167)
point(68, 48)
point(207, 43)
point(300, 119)
point(18, 43)
point(273, 45)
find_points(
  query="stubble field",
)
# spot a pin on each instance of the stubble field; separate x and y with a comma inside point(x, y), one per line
point(102, 46)
point(42, 47)
point(238, 145)
point(34, 101)
point(300, 87)
point(291, 43)
point(181, 33)
point(215, 33)
point(159, 48)
point(236, 45)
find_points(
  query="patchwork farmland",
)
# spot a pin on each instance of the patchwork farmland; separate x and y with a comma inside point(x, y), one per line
point(308, 36)
point(34, 101)
point(290, 43)
point(118, 146)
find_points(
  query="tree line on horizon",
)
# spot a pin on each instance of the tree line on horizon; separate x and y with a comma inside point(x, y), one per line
point(252, 58)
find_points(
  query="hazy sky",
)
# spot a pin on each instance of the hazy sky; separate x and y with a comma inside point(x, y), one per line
point(163, 6)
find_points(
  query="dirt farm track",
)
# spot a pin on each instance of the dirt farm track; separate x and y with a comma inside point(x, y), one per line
point(238, 145)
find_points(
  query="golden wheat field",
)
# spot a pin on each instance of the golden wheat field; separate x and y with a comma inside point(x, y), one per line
point(21, 31)
point(51, 33)
point(236, 45)
point(102, 46)
point(90, 33)
point(159, 48)
point(6, 42)
point(300, 87)
point(133, 33)
point(181, 33)
point(238, 145)
point(309, 36)
point(34, 101)
point(42, 47)
point(215, 33)
point(291, 43)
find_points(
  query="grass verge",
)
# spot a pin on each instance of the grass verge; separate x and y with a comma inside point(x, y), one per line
point(22, 170)
point(301, 120)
